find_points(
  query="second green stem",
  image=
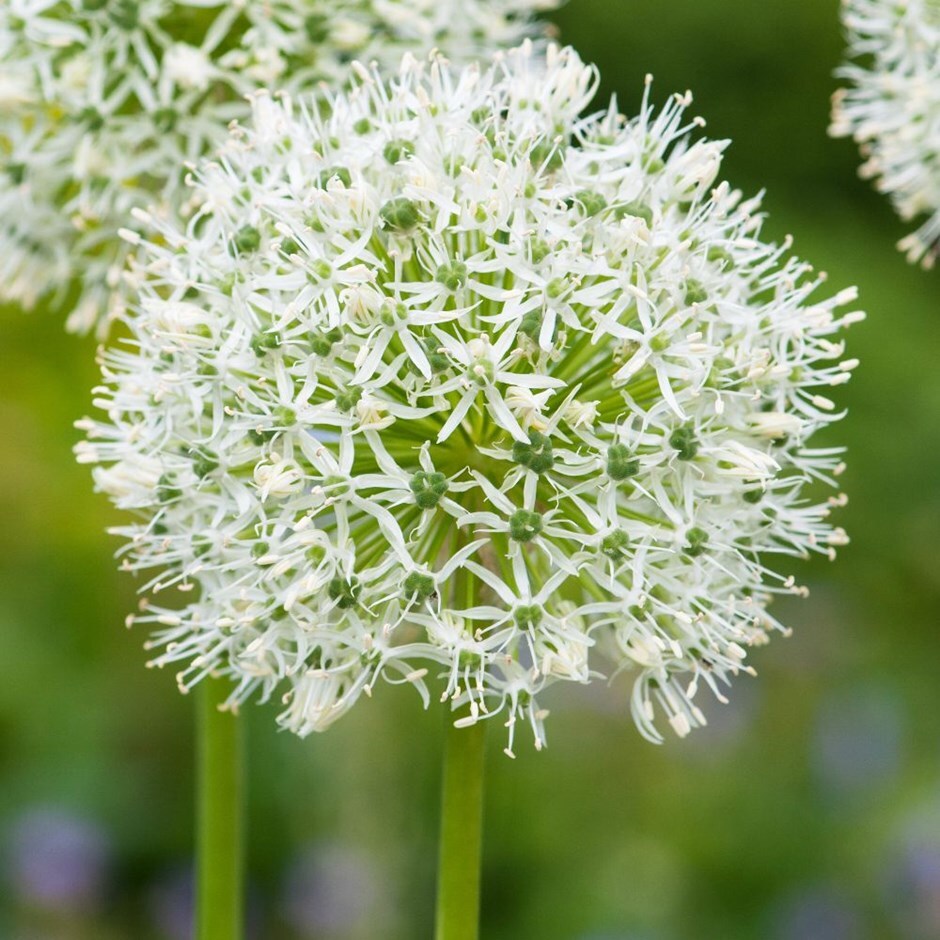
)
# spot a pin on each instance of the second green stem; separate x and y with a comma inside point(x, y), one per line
point(219, 802)
point(458, 879)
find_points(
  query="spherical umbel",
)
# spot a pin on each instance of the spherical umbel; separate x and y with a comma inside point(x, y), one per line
point(891, 107)
point(528, 402)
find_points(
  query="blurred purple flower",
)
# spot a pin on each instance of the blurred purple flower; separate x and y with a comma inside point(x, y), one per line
point(331, 889)
point(817, 913)
point(916, 892)
point(171, 903)
point(912, 879)
point(630, 935)
point(57, 859)
point(858, 738)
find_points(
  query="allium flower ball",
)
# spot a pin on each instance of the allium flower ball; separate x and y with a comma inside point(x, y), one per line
point(449, 385)
point(892, 108)
point(102, 101)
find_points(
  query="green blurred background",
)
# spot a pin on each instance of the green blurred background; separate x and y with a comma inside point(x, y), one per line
point(808, 810)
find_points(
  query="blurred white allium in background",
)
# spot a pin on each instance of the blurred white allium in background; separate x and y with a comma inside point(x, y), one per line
point(102, 102)
point(446, 377)
point(891, 107)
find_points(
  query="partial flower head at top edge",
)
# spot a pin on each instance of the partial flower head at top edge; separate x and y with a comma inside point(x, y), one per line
point(447, 383)
point(891, 107)
point(104, 102)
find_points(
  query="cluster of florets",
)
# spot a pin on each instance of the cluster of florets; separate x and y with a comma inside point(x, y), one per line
point(891, 107)
point(445, 377)
point(102, 102)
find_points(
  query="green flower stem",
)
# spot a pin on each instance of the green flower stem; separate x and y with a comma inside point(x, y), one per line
point(458, 877)
point(219, 792)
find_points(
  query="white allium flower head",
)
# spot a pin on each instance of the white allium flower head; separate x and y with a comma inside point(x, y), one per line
point(446, 382)
point(103, 101)
point(891, 107)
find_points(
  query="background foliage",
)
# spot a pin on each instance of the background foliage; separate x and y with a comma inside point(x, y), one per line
point(810, 808)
